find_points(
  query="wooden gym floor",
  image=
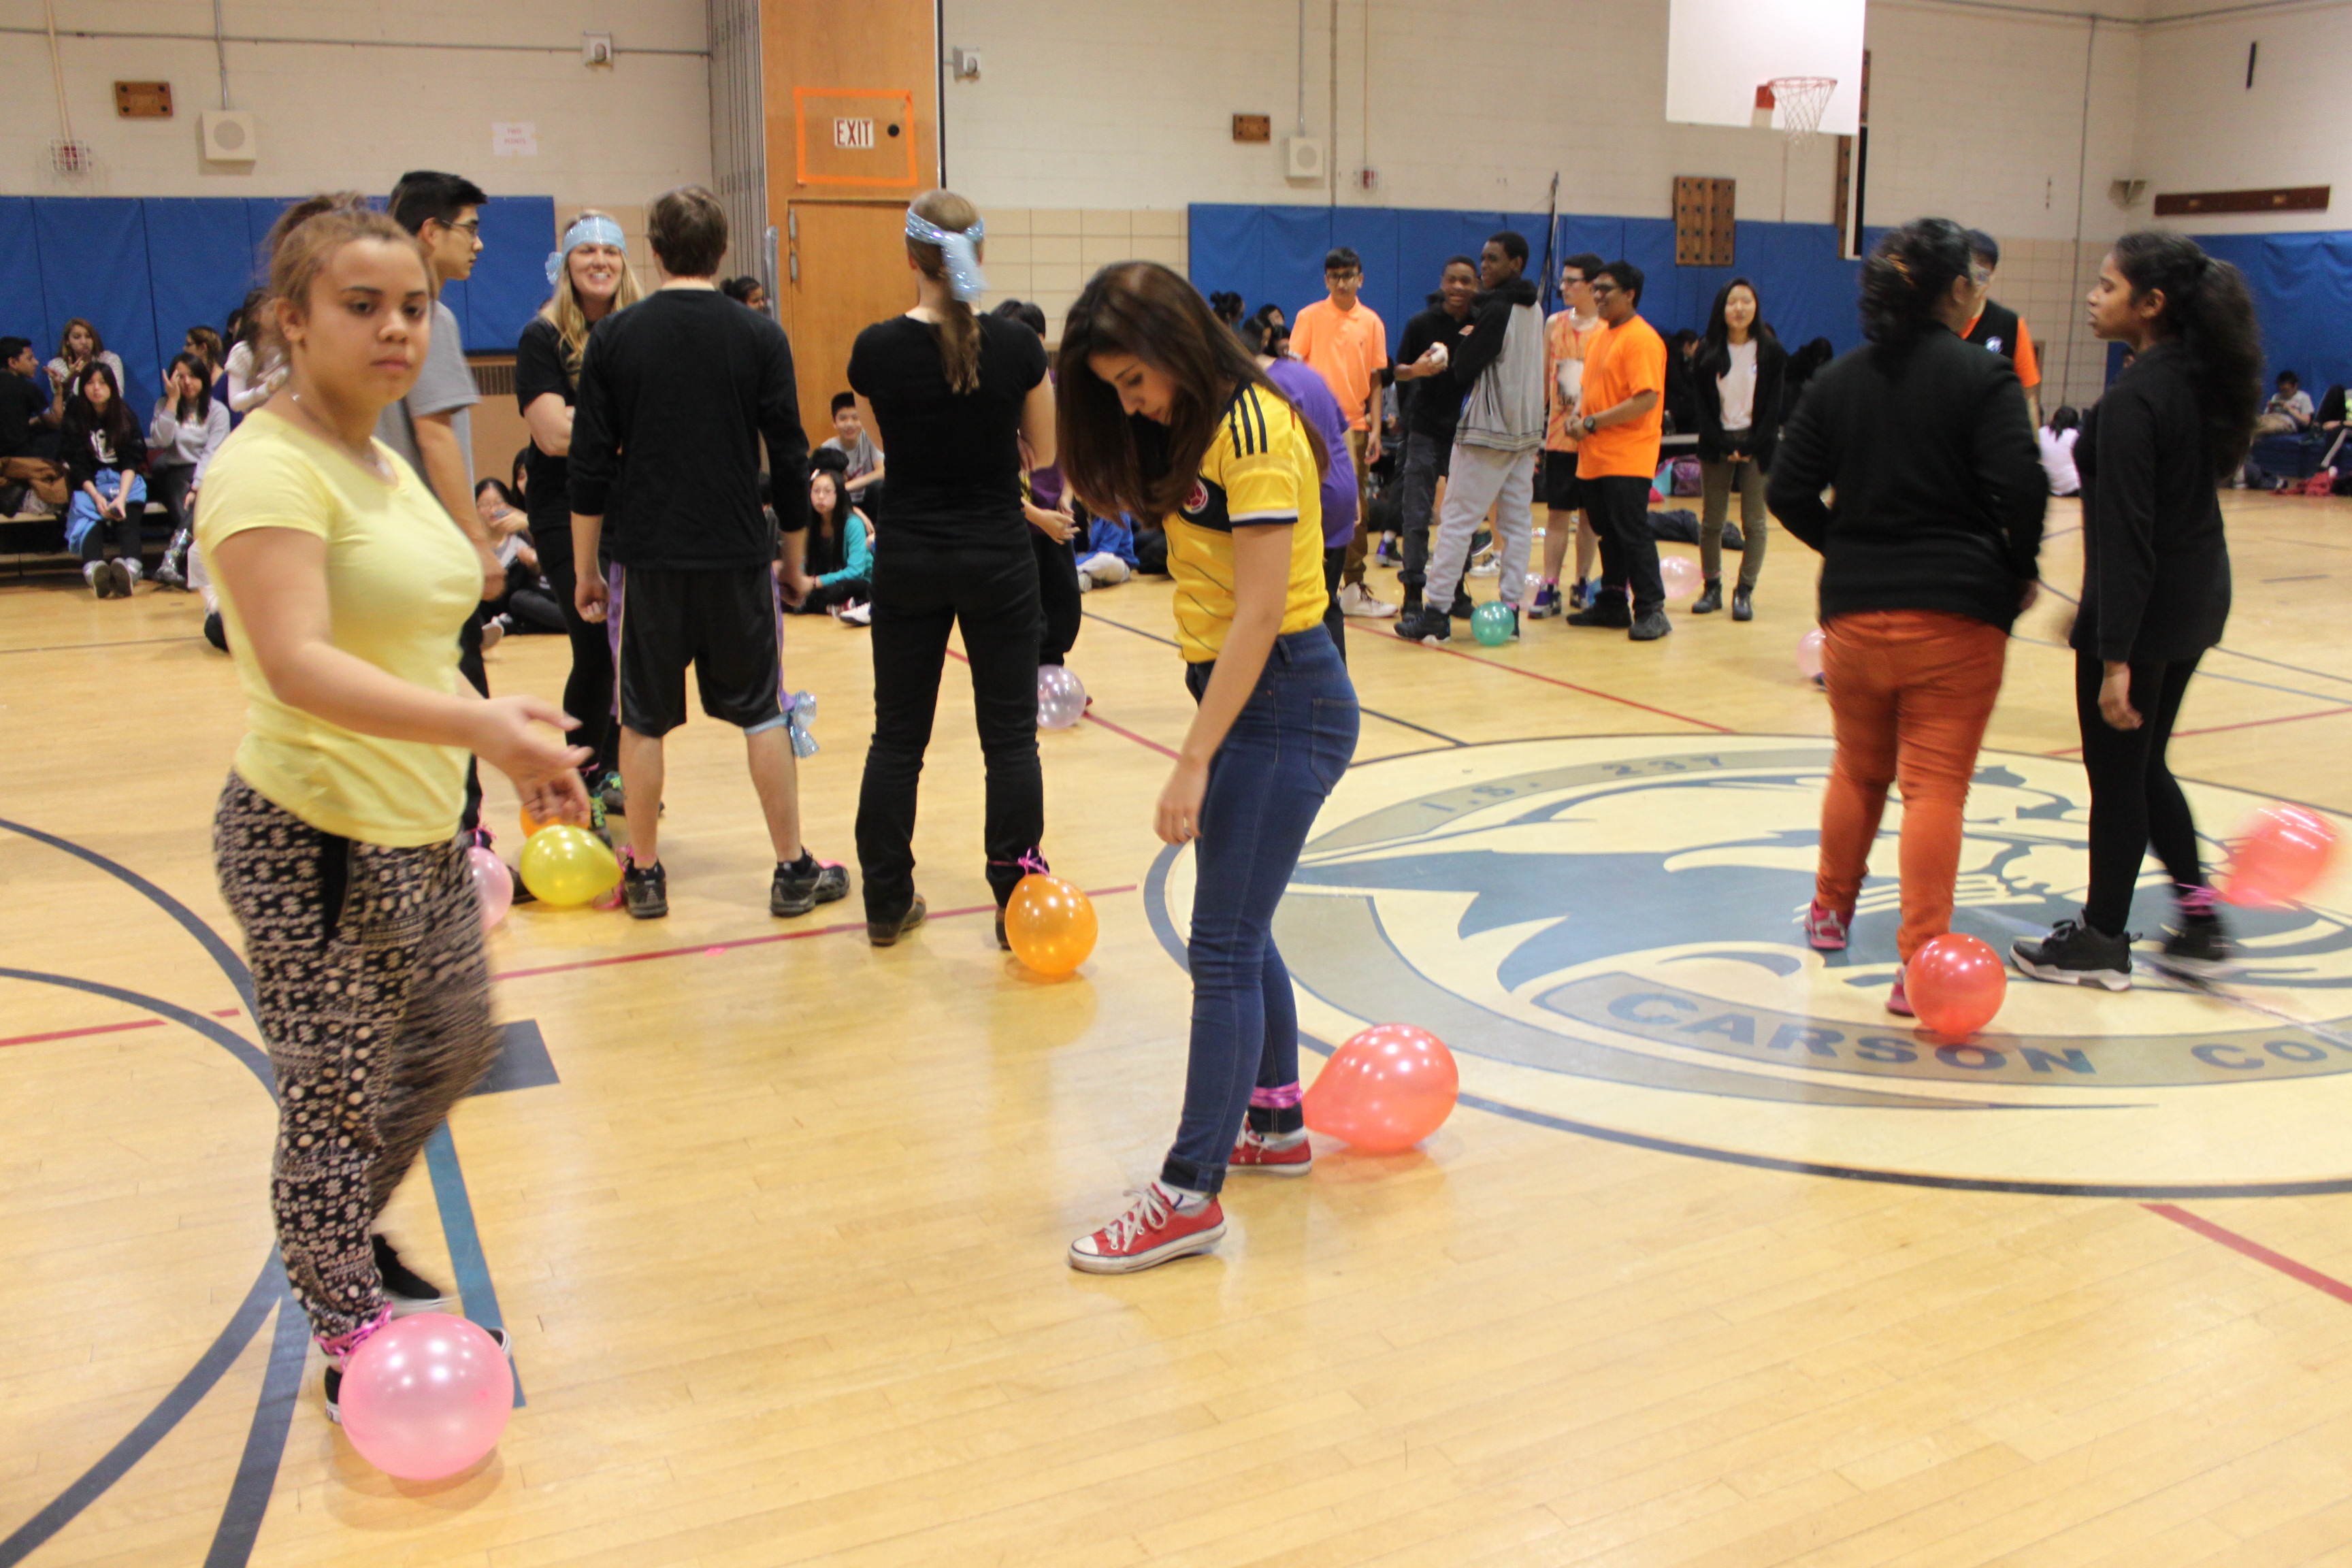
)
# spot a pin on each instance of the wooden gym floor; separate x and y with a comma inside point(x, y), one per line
point(778, 1221)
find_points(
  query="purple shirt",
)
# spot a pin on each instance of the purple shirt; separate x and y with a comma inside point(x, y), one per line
point(1305, 387)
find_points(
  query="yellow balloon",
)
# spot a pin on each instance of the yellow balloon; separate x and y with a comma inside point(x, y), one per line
point(1050, 924)
point(563, 865)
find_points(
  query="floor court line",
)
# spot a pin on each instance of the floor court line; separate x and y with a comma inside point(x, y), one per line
point(2247, 1247)
point(2221, 729)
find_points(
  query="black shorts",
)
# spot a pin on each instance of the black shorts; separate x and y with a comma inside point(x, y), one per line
point(1563, 492)
point(724, 623)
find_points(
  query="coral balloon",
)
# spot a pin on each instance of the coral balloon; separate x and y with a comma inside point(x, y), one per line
point(1050, 924)
point(1956, 983)
point(493, 884)
point(1061, 697)
point(1386, 1090)
point(1809, 655)
point(531, 823)
point(1680, 574)
point(2282, 853)
point(426, 1396)
point(563, 865)
point(1493, 624)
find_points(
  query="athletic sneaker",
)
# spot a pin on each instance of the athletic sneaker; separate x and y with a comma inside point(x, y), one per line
point(1651, 627)
point(1486, 565)
point(1546, 603)
point(861, 614)
point(1825, 928)
point(131, 567)
point(2074, 954)
point(1898, 1000)
point(615, 799)
point(1425, 626)
point(1611, 613)
point(1154, 1229)
point(804, 885)
point(1743, 608)
point(1355, 599)
point(1276, 1154)
point(408, 1291)
point(1711, 600)
point(1581, 593)
point(2197, 949)
point(646, 890)
point(100, 579)
point(499, 1337)
point(883, 933)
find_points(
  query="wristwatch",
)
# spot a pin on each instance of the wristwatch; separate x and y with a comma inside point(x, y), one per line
point(1590, 425)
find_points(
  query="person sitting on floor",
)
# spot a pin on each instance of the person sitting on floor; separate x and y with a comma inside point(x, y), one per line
point(2058, 438)
point(840, 555)
point(2288, 413)
point(1109, 554)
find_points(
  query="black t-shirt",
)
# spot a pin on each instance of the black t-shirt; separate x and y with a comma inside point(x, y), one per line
point(539, 370)
point(686, 382)
point(21, 401)
point(1436, 401)
point(954, 458)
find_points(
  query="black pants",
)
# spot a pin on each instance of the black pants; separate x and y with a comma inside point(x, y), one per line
point(1058, 598)
point(168, 483)
point(990, 592)
point(469, 665)
point(1335, 562)
point(2135, 800)
point(1620, 508)
point(588, 689)
point(1426, 459)
point(823, 597)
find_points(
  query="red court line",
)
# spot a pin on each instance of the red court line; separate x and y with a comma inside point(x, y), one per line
point(2243, 724)
point(2248, 1248)
point(76, 1034)
point(713, 947)
point(1587, 690)
point(1095, 718)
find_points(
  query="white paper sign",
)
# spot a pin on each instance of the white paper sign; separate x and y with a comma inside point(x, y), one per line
point(855, 135)
point(514, 139)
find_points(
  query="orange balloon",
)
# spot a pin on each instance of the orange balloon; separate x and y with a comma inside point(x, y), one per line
point(531, 823)
point(1956, 983)
point(1050, 924)
point(1386, 1090)
point(2283, 852)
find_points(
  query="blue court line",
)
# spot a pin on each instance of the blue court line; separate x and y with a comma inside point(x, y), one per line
point(475, 1291)
point(265, 1438)
point(206, 937)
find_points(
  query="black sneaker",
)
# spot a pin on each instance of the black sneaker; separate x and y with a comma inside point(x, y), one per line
point(499, 1337)
point(409, 1291)
point(800, 887)
point(646, 888)
point(1710, 600)
point(1463, 607)
point(1610, 611)
point(611, 796)
point(2074, 954)
point(1743, 608)
point(1651, 627)
point(1425, 626)
point(2197, 949)
point(1003, 940)
point(883, 933)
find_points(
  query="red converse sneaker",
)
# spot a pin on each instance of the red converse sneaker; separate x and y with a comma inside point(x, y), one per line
point(1257, 1154)
point(1825, 929)
point(1897, 1003)
point(1151, 1231)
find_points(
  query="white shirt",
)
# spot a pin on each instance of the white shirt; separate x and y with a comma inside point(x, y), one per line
point(1737, 385)
point(2058, 461)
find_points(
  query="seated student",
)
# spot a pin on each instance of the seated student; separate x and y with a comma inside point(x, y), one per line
point(185, 431)
point(78, 346)
point(2288, 412)
point(28, 424)
point(254, 373)
point(104, 452)
point(1109, 554)
point(863, 458)
point(527, 605)
point(839, 550)
point(2058, 439)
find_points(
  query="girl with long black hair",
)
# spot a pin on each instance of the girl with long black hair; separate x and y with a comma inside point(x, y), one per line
point(104, 454)
point(1165, 413)
point(2154, 452)
point(1738, 373)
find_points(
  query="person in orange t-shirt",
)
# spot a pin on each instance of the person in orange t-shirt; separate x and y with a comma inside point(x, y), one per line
point(1566, 337)
point(1347, 343)
point(1617, 454)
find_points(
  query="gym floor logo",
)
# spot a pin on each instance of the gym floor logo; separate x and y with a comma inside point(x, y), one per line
point(1606, 930)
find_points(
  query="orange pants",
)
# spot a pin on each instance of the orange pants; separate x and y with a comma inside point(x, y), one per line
point(1910, 692)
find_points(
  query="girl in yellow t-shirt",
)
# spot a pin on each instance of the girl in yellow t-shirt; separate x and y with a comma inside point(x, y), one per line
point(343, 584)
point(1164, 413)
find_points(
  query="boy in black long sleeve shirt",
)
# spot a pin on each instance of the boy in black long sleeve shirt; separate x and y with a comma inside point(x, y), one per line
point(676, 393)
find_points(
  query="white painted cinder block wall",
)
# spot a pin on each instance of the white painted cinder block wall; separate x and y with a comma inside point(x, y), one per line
point(358, 114)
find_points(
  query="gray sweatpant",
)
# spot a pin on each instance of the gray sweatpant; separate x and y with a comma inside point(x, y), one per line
point(1483, 477)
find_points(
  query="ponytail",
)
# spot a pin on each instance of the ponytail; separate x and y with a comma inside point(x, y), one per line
point(958, 333)
point(2209, 308)
point(1905, 278)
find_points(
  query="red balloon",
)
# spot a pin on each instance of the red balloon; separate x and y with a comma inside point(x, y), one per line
point(2283, 852)
point(1386, 1090)
point(1956, 983)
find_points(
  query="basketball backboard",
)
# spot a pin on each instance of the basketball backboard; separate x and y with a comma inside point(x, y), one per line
point(1718, 52)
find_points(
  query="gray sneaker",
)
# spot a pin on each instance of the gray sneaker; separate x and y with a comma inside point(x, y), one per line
point(1650, 628)
point(797, 892)
point(645, 890)
point(2075, 954)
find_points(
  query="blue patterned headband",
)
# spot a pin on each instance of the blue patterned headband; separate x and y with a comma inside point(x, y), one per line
point(961, 250)
point(589, 228)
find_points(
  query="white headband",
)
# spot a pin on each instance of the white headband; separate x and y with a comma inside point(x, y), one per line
point(961, 250)
point(589, 228)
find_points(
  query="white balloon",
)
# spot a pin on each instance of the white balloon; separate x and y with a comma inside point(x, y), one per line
point(1061, 698)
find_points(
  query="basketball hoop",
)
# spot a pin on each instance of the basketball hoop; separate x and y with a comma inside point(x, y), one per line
point(1800, 100)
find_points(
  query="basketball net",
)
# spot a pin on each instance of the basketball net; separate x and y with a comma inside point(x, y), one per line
point(1800, 101)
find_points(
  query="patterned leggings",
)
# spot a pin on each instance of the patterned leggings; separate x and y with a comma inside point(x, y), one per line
point(375, 999)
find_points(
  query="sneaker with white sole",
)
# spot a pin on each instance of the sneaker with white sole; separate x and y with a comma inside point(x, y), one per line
point(334, 1379)
point(1898, 1000)
point(1825, 929)
point(408, 1291)
point(1271, 1154)
point(1355, 599)
point(2075, 954)
point(1155, 1229)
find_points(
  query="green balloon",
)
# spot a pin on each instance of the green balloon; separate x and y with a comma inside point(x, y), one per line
point(1493, 624)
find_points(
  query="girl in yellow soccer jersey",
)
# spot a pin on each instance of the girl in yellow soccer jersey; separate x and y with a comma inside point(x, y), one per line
point(1163, 413)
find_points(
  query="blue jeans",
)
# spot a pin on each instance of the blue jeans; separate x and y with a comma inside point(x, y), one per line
point(89, 533)
point(1286, 751)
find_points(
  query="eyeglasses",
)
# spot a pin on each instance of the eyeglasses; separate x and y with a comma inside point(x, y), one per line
point(471, 227)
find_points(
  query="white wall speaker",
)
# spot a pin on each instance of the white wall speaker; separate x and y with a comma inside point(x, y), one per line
point(1304, 157)
point(229, 136)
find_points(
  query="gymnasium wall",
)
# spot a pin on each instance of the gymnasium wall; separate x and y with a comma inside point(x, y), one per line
point(2288, 129)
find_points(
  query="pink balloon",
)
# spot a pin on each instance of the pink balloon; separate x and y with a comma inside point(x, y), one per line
point(1808, 654)
point(1386, 1090)
point(2278, 857)
point(1682, 575)
point(493, 885)
point(426, 1396)
point(1957, 985)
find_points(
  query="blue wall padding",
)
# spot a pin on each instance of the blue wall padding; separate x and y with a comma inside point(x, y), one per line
point(1276, 253)
point(144, 269)
point(2302, 284)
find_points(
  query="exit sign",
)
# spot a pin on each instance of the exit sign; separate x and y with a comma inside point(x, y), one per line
point(856, 135)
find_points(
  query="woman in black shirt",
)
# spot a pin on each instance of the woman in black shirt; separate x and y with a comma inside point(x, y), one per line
point(951, 397)
point(593, 279)
point(2156, 586)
